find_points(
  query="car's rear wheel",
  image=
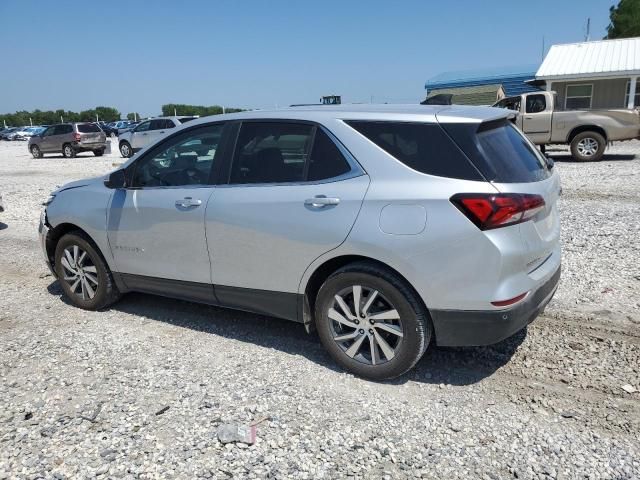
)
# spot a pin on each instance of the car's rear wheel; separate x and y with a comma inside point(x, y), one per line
point(588, 146)
point(35, 151)
point(83, 274)
point(371, 321)
point(125, 149)
point(68, 151)
point(98, 153)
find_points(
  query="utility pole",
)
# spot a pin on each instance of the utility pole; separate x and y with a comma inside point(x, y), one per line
point(61, 119)
point(96, 118)
point(223, 110)
point(30, 121)
point(588, 35)
point(174, 113)
point(135, 117)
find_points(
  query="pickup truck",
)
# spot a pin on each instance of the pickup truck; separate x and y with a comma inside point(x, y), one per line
point(586, 131)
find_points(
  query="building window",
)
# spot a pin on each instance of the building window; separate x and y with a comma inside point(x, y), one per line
point(578, 97)
point(637, 94)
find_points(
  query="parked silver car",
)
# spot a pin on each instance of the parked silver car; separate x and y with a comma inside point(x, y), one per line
point(386, 228)
point(146, 133)
point(69, 139)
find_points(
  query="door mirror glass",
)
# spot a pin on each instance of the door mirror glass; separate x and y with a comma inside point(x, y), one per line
point(116, 179)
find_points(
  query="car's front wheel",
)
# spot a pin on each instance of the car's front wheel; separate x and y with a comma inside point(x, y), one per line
point(125, 149)
point(83, 274)
point(36, 152)
point(371, 321)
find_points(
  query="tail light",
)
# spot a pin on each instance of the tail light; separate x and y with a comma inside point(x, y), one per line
point(489, 211)
point(76, 137)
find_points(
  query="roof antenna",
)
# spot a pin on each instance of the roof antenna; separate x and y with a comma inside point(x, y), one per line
point(588, 36)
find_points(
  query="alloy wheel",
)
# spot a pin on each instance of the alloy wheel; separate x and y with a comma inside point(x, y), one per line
point(68, 151)
point(79, 272)
point(35, 151)
point(365, 325)
point(588, 147)
point(124, 150)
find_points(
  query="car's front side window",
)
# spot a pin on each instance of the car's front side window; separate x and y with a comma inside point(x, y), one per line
point(143, 127)
point(186, 159)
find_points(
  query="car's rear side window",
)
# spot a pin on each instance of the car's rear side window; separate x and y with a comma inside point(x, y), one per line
point(186, 119)
point(326, 160)
point(424, 147)
point(88, 128)
point(271, 152)
point(499, 151)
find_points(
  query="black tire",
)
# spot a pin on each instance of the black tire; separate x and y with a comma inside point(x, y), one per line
point(35, 151)
point(98, 153)
point(125, 149)
point(68, 151)
point(106, 291)
point(586, 142)
point(416, 324)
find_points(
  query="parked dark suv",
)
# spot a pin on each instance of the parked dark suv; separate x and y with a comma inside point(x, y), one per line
point(69, 139)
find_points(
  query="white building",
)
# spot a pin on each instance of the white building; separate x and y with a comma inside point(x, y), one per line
point(598, 74)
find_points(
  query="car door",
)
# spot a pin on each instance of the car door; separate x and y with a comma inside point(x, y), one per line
point(536, 122)
point(159, 127)
point(46, 142)
point(156, 225)
point(293, 194)
point(60, 136)
point(140, 135)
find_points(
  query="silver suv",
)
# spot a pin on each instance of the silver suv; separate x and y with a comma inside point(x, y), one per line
point(147, 132)
point(385, 228)
point(69, 139)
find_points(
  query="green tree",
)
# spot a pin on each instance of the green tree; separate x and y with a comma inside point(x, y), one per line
point(133, 116)
point(50, 117)
point(180, 109)
point(624, 20)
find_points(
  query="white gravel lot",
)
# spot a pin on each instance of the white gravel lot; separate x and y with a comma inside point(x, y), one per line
point(138, 390)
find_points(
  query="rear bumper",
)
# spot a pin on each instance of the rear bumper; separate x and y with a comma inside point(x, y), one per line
point(459, 328)
point(90, 146)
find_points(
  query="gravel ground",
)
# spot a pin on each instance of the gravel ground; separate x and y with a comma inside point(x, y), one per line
point(139, 390)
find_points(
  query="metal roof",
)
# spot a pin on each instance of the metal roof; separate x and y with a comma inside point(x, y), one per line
point(603, 58)
point(511, 78)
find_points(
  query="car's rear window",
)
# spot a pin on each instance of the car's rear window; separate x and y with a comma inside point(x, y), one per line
point(88, 128)
point(499, 151)
point(424, 147)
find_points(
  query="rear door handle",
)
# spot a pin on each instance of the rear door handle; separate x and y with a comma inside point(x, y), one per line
point(188, 202)
point(321, 201)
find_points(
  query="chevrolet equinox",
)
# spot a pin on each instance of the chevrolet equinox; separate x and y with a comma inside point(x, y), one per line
point(384, 228)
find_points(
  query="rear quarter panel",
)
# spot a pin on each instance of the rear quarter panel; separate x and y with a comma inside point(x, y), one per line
point(619, 124)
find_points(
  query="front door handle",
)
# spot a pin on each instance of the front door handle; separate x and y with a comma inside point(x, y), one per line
point(321, 201)
point(187, 202)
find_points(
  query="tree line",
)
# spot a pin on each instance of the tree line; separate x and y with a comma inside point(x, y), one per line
point(104, 114)
point(180, 109)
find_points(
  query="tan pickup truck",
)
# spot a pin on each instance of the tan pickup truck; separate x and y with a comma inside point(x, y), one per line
point(586, 131)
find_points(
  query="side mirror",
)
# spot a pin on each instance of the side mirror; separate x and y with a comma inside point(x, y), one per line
point(117, 179)
point(550, 162)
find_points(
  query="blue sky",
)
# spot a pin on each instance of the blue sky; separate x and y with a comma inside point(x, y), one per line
point(138, 55)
